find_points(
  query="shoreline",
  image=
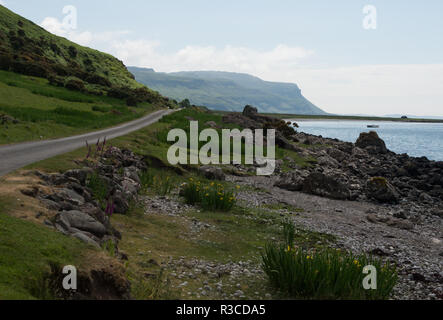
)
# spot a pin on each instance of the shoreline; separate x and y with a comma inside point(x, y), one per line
point(293, 117)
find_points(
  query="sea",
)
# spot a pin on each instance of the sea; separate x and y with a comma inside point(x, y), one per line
point(414, 139)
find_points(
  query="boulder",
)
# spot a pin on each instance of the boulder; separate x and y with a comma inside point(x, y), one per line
point(326, 185)
point(292, 181)
point(83, 237)
point(79, 174)
point(212, 173)
point(71, 196)
point(250, 111)
point(371, 141)
point(82, 221)
point(380, 189)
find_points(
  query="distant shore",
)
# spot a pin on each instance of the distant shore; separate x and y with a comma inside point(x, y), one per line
point(296, 117)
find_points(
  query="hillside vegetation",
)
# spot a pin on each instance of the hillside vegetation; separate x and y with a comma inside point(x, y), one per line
point(228, 91)
point(28, 49)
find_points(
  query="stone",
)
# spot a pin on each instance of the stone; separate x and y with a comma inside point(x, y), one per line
point(79, 174)
point(324, 185)
point(82, 221)
point(30, 192)
point(71, 196)
point(292, 181)
point(212, 173)
point(381, 190)
point(83, 237)
point(371, 139)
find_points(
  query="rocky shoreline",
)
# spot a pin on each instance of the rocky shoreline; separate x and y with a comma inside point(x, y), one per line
point(374, 200)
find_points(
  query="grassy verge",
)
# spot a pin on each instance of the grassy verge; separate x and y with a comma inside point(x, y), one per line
point(26, 252)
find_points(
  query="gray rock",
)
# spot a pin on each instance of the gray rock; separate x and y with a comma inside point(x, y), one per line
point(373, 141)
point(212, 173)
point(326, 186)
point(83, 237)
point(71, 196)
point(82, 221)
point(381, 190)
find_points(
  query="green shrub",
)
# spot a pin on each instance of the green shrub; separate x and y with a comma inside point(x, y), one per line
point(99, 188)
point(211, 196)
point(325, 274)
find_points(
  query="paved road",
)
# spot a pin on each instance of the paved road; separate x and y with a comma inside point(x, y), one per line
point(13, 157)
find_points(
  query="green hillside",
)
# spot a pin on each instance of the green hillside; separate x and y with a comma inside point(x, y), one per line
point(28, 49)
point(228, 91)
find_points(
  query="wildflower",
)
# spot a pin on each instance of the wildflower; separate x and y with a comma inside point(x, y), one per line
point(238, 187)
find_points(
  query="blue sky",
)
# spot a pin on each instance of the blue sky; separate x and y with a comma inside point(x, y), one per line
point(321, 45)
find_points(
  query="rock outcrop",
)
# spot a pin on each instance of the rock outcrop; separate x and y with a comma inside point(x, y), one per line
point(80, 212)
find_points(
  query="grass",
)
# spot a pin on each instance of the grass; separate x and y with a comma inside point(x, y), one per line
point(323, 274)
point(45, 111)
point(27, 251)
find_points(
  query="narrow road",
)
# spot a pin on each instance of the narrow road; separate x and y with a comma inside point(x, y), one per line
point(16, 156)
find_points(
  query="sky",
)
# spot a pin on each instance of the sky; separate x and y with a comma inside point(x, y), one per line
point(387, 59)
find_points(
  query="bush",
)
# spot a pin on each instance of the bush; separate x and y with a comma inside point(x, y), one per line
point(99, 188)
point(75, 84)
point(325, 274)
point(211, 197)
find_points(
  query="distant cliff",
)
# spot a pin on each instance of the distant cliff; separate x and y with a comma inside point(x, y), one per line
point(228, 91)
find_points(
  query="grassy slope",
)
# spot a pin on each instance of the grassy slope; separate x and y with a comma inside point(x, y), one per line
point(26, 251)
point(87, 59)
point(227, 91)
point(45, 111)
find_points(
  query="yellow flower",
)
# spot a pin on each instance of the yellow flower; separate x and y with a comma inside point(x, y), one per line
point(207, 194)
point(221, 199)
point(238, 187)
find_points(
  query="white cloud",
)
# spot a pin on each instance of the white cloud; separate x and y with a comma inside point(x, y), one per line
point(2, 3)
point(84, 38)
point(230, 58)
point(370, 89)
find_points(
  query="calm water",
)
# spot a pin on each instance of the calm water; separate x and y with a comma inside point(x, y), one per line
point(415, 139)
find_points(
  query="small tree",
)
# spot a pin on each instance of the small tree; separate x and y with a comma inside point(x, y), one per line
point(185, 104)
